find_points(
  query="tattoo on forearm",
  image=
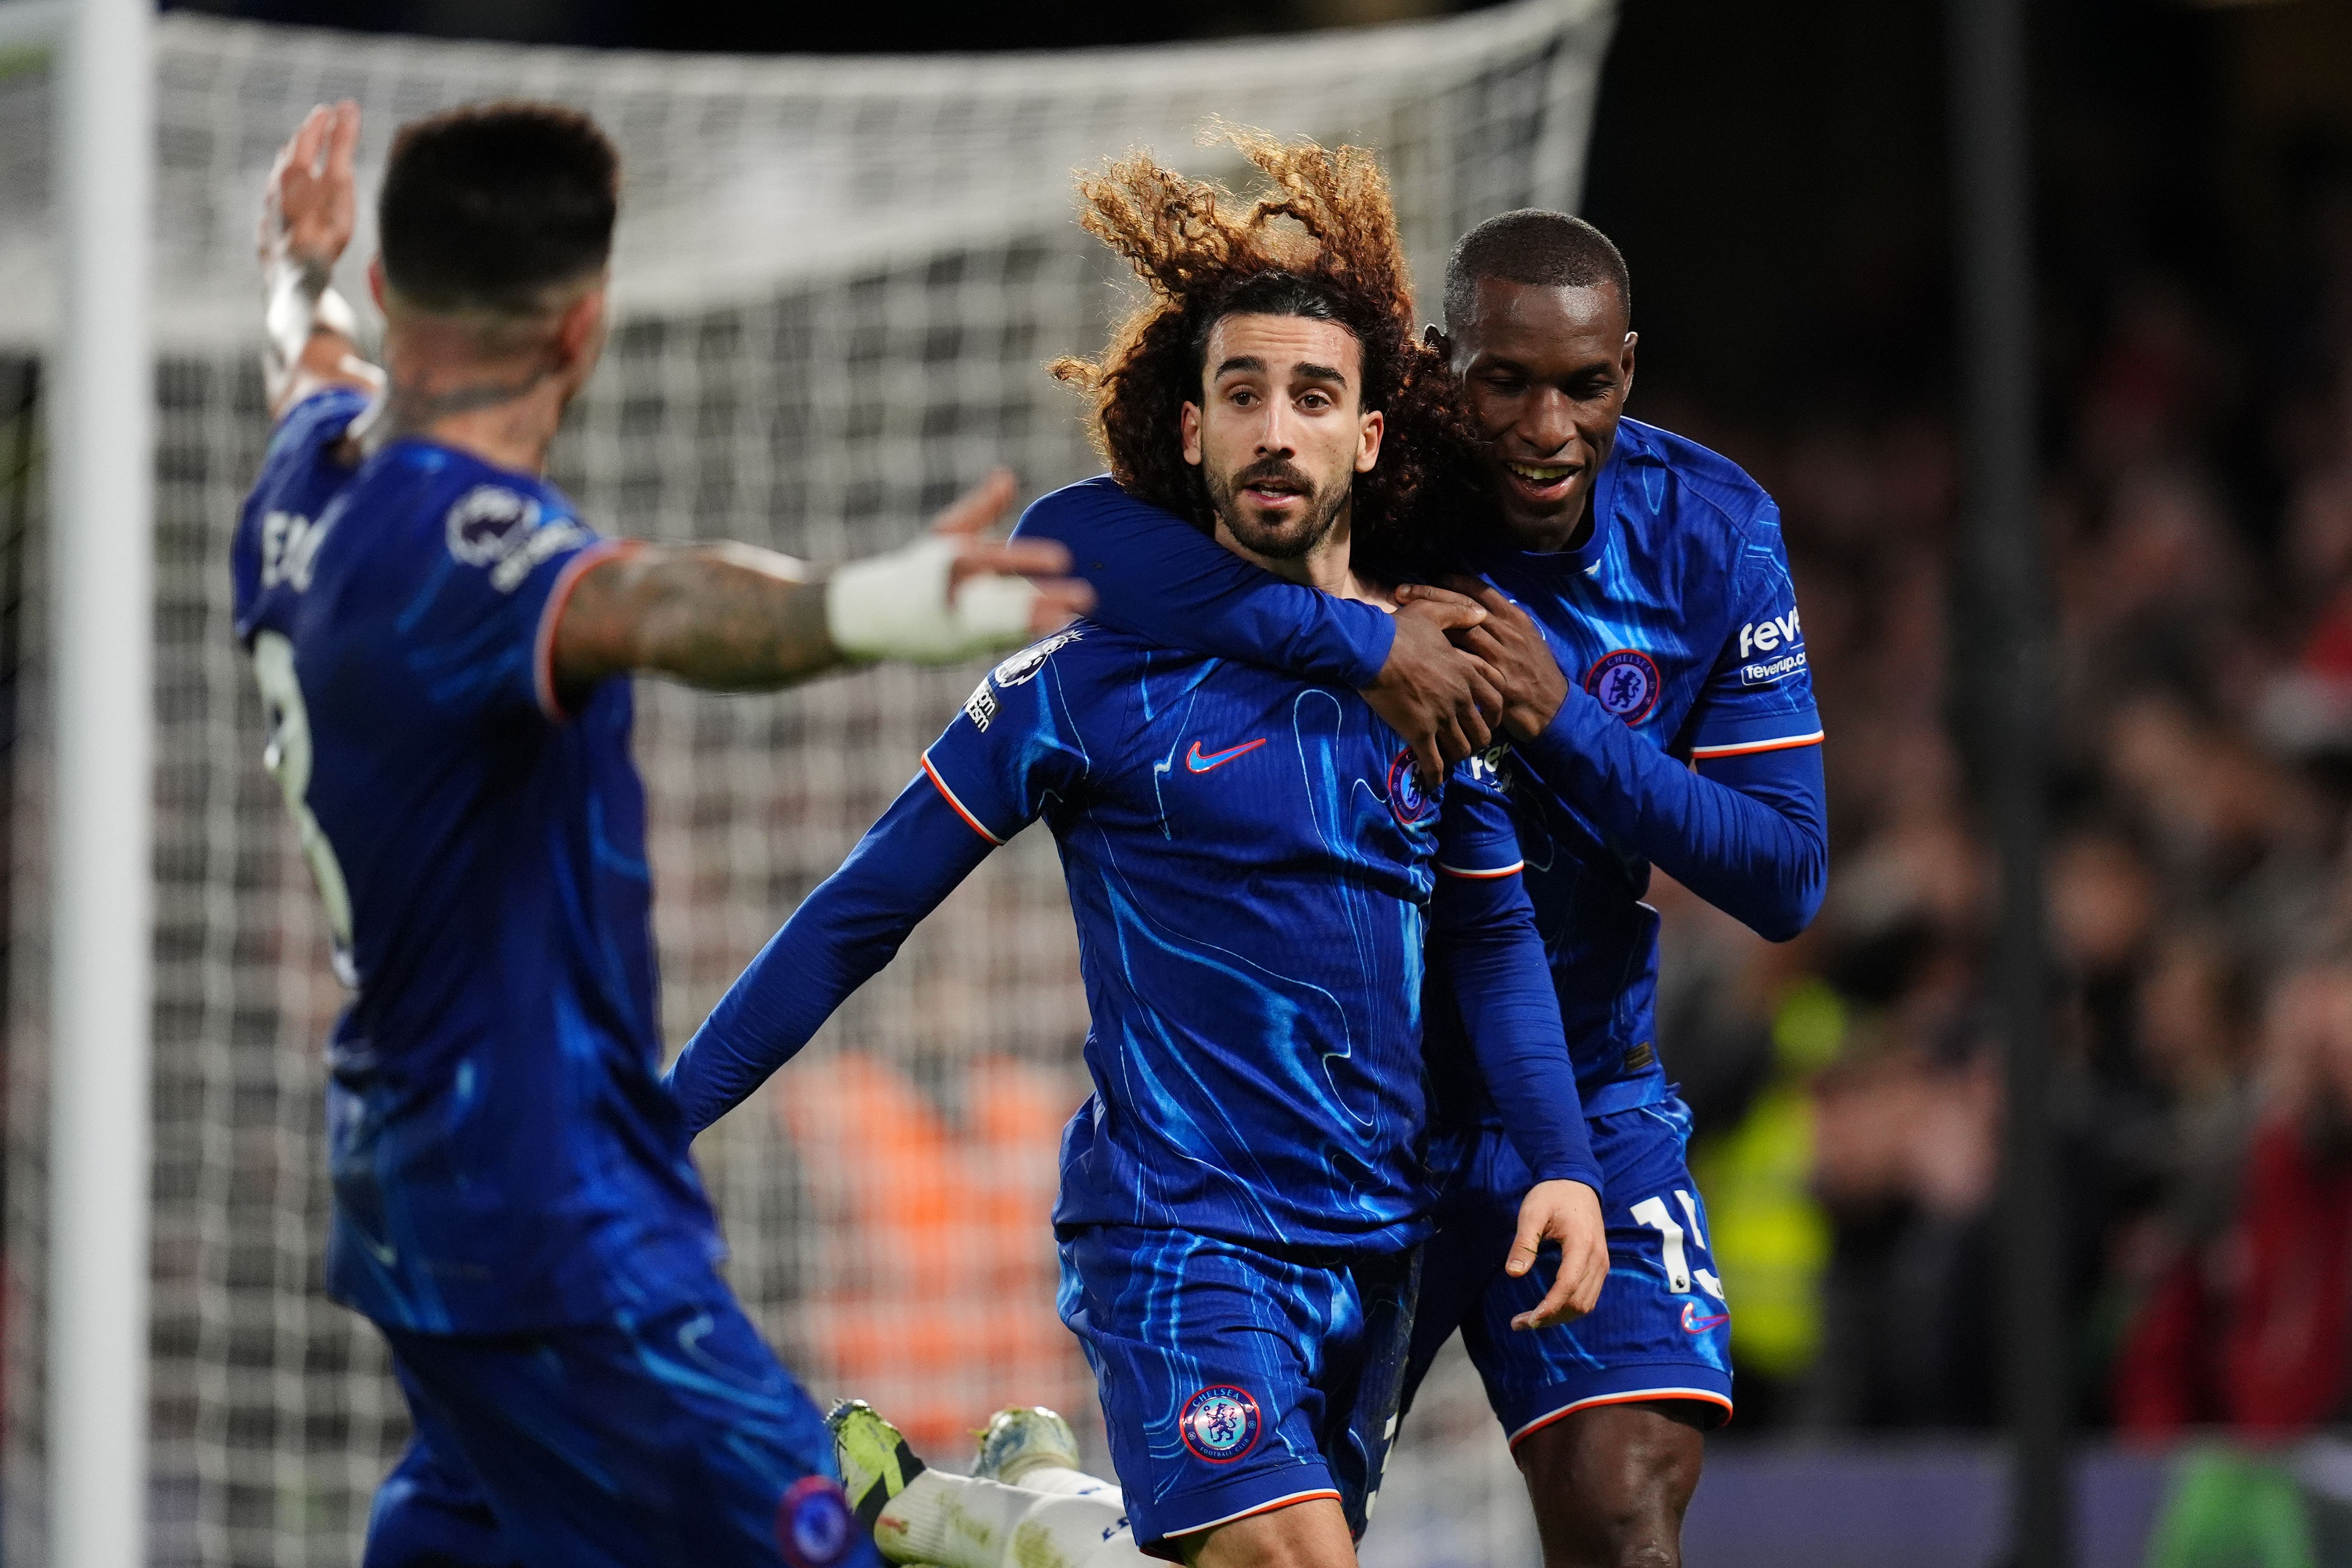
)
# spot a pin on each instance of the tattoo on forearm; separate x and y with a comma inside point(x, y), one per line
point(733, 629)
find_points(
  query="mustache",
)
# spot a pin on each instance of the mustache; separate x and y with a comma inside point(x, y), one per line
point(1276, 469)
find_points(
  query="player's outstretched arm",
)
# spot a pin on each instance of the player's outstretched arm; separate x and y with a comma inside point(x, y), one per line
point(1749, 833)
point(1010, 751)
point(1161, 578)
point(307, 210)
point(838, 939)
point(729, 618)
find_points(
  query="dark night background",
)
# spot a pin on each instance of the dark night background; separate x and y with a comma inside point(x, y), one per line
point(1775, 174)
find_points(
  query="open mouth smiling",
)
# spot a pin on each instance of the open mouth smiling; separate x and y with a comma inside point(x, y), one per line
point(1542, 481)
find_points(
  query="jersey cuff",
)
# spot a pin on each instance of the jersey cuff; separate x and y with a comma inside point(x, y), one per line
point(1588, 1173)
point(542, 653)
point(956, 801)
point(1747, 747)
point(1474, 874)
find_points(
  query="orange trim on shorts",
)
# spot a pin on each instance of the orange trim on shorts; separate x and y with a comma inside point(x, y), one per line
point(1637, 1396)
point(1253, 1513)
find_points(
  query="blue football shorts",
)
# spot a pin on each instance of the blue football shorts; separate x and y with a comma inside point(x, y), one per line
point(1236, 1382)
point(678, 1441)
point(1661, 1332)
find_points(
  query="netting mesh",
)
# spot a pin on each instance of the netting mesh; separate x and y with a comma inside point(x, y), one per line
point(838, 284)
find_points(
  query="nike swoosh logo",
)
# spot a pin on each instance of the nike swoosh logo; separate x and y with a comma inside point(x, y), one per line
point(1200, 764)
point(1695, 1324)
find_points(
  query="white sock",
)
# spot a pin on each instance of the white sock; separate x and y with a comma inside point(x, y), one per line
point(1073, 1521)
point(1059, 1479)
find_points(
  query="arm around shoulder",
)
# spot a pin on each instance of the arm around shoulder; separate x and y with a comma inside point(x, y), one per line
point(1158, 576)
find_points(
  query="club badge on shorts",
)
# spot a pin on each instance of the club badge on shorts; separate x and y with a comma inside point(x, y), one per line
point(1625, 683)
point(1220, 1424)
point(814, 1525)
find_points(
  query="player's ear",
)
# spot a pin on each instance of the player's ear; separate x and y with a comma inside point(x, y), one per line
point(1437, 340)
point(579, 333)
point(1625, 365)
point(1191, 422)
point(375, 282)
point(1367, 442)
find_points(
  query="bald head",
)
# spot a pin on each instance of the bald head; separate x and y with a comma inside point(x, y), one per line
point(1546, 250)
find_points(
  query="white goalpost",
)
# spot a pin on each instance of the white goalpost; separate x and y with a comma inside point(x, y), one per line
point(838, 284)
point(101, 498)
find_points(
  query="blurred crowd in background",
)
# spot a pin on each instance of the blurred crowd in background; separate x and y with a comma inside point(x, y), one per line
point(2197, 509)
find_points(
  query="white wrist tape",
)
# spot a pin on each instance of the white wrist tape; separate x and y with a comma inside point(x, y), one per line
point(290, 314)
point(897, 606)
point(335, 313)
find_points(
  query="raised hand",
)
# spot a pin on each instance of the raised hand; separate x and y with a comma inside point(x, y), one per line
point(307, 210)
point(311, 201)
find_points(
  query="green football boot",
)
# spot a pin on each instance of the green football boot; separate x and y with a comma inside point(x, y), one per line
point(876, 1463)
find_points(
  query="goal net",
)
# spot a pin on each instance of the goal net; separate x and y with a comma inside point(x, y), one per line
point(836, 283)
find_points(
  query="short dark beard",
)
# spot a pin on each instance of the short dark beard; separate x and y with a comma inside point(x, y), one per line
point(1323, 515)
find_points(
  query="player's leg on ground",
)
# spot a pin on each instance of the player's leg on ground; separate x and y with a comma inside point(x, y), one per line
point(1610, 1484)
point(1050, 1514)
point(430, 1513)
point(1311, 1534)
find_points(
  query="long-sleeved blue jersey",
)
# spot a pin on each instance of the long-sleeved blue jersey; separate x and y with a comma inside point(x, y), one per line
point(1677, 624)
point(504, 1158)
point(1255, 863)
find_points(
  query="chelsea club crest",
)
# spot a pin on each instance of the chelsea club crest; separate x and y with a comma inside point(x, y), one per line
point(813, 1524)
point(1624, 682)
point(1408, 797)
point(1220, 1424)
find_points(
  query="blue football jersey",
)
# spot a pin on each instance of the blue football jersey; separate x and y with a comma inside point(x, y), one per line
point(1249, 860)
point(504, 1155)
point(1678, 617)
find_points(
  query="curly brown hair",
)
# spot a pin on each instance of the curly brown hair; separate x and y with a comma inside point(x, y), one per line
point(1323, 242)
